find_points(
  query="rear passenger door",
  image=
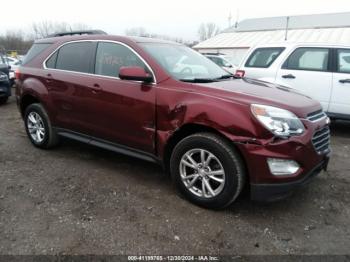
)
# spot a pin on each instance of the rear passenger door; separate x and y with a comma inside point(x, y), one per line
point(340, 101)
point(308, 70)
point(69, 81)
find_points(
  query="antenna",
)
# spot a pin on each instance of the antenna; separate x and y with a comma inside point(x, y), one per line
point(229, 19)
point(237, 18)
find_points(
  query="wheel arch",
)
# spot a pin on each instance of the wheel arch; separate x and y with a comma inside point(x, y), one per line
point(190, 129)
point(27, 100)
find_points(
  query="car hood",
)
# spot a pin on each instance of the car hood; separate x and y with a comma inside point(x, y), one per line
point(251, 91)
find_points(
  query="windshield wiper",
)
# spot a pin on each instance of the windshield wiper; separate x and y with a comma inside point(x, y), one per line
point(198, 80)
point(225, 76)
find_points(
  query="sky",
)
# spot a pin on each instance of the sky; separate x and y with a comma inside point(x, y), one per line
point(179, 18)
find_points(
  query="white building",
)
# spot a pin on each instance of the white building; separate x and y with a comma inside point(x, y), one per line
point(322, 28)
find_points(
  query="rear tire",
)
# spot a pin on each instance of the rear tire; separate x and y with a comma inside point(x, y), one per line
point(207, 170)
point(3, 100)
point(39, 128)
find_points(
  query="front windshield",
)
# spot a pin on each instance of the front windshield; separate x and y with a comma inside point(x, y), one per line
point(183, 63)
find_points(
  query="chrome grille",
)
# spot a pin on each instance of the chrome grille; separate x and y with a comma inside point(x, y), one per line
point(321, 140)
point(316, 116)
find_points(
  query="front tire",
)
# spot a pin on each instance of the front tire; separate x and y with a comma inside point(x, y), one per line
point(39, 128)
point(207, 170)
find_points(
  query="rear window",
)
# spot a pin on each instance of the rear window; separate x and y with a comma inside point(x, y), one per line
point(308, 59)
point(263, 57)
point(343, 61)
point(75, 57)
point(35, 50)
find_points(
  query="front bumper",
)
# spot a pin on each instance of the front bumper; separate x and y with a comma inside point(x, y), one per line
point(275, 192)
point(265, 185)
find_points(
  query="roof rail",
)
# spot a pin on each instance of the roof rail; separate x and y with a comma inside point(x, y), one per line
point(84, 32)
point(212, 53)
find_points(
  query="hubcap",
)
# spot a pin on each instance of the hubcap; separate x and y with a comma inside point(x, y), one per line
point(36, 128)
point(202, 173)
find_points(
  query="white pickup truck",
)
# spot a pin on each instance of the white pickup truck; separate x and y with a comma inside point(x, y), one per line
point(320, 71)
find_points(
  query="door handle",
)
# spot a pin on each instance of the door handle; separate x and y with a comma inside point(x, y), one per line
point(96, 88)
point(290, 76)
point(344, 81)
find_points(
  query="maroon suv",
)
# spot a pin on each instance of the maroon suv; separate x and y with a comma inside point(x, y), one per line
point(163, 102)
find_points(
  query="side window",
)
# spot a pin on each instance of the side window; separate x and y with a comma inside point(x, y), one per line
point(263, 57)
point(51, 62)
point(343, 61)
point(308, 58)
point(34, 51)
point(75, 57)
point(110, 57)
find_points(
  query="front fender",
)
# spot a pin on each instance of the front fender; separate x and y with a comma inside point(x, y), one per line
point(176, 108)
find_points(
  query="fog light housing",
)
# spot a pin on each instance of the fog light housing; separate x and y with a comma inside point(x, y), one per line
point(282, 167)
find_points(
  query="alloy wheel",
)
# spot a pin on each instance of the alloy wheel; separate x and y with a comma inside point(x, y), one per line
point(202, 173)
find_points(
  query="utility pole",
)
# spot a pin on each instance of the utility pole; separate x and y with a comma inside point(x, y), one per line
point(229, 20)
point(287, 26)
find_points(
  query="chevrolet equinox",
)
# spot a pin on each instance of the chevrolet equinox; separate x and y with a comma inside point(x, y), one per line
point(163, 102)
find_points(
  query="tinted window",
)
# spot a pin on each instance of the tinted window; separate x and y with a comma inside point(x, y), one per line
point(51, 62)
point(305, 58)
point(35, 50)
point(263, 57)
point(75, 57)
point(110, 57)
point(344, 61)
point(2, 60)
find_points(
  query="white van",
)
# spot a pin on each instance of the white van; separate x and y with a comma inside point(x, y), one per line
point(320, 71)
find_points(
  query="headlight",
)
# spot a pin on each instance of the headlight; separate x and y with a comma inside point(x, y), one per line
point(281, 122)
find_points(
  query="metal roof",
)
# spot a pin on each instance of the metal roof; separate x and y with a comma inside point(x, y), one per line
point(295, 22)
point(322, 28)
point(249, 39)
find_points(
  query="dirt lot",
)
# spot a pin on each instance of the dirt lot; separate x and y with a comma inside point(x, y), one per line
point(81, 200)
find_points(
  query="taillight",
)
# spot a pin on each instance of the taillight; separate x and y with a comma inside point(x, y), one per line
point(17, 74)
point(240, 73)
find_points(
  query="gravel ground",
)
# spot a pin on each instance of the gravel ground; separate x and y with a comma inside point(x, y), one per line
point(77, 199)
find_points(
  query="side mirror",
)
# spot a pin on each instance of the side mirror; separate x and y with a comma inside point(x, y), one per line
point(9, 67)
point(135, 73)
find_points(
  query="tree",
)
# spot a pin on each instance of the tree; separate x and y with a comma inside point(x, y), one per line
point(207, 30)
point(137, 31)
point(45, 28)
point(15, 41)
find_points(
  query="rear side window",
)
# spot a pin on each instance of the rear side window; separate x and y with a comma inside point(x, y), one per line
point(343, 61)
point(308, 58)
point(51, 62)
point(263, 57)
point(75, 57)
point(35, 50)
point(110, 57)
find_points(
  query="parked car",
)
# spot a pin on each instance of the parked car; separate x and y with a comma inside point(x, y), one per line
point(14, 64)
point(222, 61)
point(5, 89)
point(214, 133)
point(318, 70)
